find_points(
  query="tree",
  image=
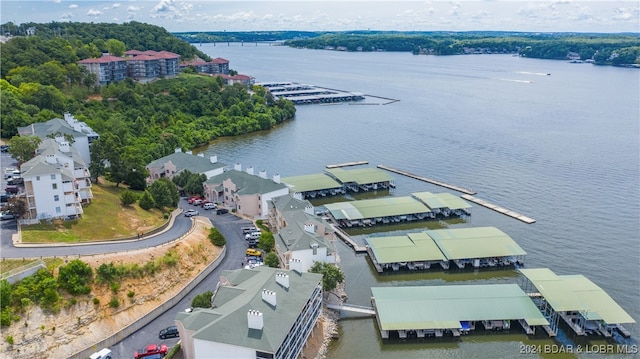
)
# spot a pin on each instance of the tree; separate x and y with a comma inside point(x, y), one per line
point(116, 47)
point(331, 275)
point(202, 300)
point(147, 202)
point(216, 238)
point(15, 206)
point(266, 242)
point(5, 293)
point(24, 148)
point(271, 259)
point(128, 197)
point(164, 193)
point(76, 277)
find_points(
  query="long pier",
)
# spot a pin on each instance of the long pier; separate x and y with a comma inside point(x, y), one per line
point(352, 308)
point(428, 180)
point(347, 164)
point(499, 209)
point(345, 238)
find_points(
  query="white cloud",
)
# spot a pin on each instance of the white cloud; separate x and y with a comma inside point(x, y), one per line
point(164, 6)
point(115, 6)
point(73, 6)
point(622, 13)
point(133, 8)
point(66, 16)
point(94, 13)
point(57, 1)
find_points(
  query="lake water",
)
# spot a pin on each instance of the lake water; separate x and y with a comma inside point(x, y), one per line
point(561, 148)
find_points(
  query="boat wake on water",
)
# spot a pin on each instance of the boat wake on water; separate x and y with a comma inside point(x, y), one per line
point(534, 73)
point(521, 81)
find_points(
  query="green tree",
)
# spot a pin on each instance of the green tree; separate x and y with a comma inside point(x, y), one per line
point(271, 259)
point(164, 193)
point(266, 242)
point(128, 198)
point(216, 238)
point(146, 201)
point(331, 275)
point(24, 148)
point(5, 293)
point(116, 47)
point(202, 300)
point(76, 277)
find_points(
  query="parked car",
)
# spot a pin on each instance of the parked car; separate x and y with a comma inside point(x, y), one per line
point(246, 230)
point(151, 350)
point(4, 148)
point(197, 202)
point(193, 199)
point(7, 215)
point(12, 189)
point(104, 353)
point(191, 213)
point(252, 235)
point(209, 205)
point(169, 332)
point(252, 243)
point(253, 252)
point(222, 211)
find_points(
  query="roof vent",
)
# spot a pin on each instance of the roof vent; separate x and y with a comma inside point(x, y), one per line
point(269, 296)
point(255, 320)
point(282, 279)
point(296, 265)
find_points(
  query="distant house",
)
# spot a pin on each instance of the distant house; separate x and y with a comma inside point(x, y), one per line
point(255, 313)
point(82, 134)
point(244, 192)
point(215, 66)
point(56, 182)
point(173, 164)
point(300, 236)
point(237, 79)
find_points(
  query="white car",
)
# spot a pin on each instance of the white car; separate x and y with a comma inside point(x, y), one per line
point(7, 215)
point(190, 213)
point(209, 205)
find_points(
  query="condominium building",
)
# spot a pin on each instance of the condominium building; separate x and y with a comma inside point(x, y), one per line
point(171, 165)
point(142, 66)
point(255, 313)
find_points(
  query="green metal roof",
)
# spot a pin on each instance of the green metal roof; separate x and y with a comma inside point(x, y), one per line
point(413, 247)
point(475, 242)
point(379, 207)
point(247, 184)
point(441, 200)
point(312, 182)
point(240, 292)
point(444, 307)
point(576, 293)
point(360, 176)
point(185, 161)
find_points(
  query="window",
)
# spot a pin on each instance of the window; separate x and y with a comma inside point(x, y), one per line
point(58, 210)
point(53, 176)
point(56, 198)
point(54, 185)
point(37, 178)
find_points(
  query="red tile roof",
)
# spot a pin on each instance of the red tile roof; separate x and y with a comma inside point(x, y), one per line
point(219, 60)
point(102, 60)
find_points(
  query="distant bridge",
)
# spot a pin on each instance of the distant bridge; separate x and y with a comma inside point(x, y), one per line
point(352, 308)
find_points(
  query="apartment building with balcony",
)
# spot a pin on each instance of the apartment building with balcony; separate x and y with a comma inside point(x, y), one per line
point(255, 313)
point(108, 68)
point(56, 182)
point(142, 66)
point(215, 66)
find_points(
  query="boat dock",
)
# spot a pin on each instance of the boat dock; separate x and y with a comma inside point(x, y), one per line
point(428, 180)
point(301, 94)
point(350, 242)
point(499, 209)
point(348, 164)
point(352, 308)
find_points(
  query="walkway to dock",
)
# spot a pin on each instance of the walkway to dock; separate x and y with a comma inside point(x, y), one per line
point(428, 180)
point(352, 308)
point(345, 238)
point(499, 209)
point(348, 164)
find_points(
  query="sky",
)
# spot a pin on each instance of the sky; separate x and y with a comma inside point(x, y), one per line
point(608, 16)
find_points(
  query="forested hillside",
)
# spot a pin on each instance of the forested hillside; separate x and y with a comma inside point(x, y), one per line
point(137, 122)
point(606, 49)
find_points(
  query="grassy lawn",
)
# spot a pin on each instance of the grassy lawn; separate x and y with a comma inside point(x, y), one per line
point(11, 264)
point(103, 219)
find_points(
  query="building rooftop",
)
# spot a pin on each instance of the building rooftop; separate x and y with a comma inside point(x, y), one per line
point(247, 183)
point(441, 200)
point(360, 175)
point(444, 307)
point(413, 247)
point(241, 291)
point(475, 242)
point(185, 161)
point(313, 182)
point(576, 293)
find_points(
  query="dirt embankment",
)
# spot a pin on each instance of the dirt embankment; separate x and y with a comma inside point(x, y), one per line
point(78, 326)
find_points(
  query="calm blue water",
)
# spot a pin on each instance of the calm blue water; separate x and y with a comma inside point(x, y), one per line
point(561, 148)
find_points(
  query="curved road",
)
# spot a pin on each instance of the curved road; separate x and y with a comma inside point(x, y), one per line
point(229, 225)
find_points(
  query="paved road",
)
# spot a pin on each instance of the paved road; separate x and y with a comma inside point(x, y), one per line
point(229, 225)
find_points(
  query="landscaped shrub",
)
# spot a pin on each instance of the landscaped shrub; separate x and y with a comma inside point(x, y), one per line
point(216, 238)
point(202, 300)
point(114, 302)
point(76, 277)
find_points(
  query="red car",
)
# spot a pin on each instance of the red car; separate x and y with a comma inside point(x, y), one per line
point(151, 350)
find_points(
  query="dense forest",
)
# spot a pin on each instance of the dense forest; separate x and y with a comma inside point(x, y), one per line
point(137, 123)
point(605, 49)
point(244, 36)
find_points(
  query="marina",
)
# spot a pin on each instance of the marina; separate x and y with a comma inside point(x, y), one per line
point(417, 207)
point(301, 94)
point(478, 247)
point(338, 181)
point(348, 164)
point(452, 310)
point(499, 209)
point(428, 180)
point(582, 305)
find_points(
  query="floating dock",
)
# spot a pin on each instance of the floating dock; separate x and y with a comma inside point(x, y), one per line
point(428, 180)
point(499, 209)
point(348, 164)
point(350, 242)
point(301, 94)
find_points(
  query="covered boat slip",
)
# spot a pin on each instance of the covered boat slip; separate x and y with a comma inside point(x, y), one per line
point(443, 203)
point(382, 211)
point(452, 309)
point(476, 247)
point(365, 179)
point(584, 306)
point(314, 185)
